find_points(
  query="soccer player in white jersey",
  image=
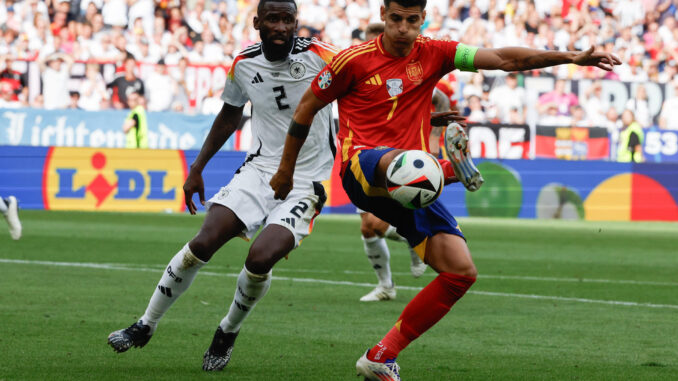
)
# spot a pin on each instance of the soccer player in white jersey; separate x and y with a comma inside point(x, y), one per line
point(9, 209)
point(272, 75)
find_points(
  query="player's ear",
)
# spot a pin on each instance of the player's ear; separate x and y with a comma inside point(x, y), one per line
point(255, 23)
point(382, 12)
point(423, 16)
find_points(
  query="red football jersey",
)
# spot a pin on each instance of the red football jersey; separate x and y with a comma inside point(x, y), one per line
point(384, 100)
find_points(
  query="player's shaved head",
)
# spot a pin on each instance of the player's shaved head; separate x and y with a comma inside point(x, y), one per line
point(407, 3)
point(373, 30)
point(260, 6)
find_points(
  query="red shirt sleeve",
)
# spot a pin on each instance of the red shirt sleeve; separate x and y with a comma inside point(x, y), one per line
point(445, 50)
point(329, 84)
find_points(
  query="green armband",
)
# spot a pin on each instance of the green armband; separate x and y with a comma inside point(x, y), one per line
point(463, 58)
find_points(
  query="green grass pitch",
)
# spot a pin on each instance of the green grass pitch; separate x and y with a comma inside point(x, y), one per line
point(555, 300)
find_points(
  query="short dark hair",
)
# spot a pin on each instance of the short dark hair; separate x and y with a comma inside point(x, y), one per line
point(407, 3)
point(260, 7)
point(375, 28)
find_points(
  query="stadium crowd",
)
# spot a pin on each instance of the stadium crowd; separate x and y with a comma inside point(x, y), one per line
point(173, 34)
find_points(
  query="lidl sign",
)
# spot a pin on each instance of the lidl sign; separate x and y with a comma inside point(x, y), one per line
point(98, 179)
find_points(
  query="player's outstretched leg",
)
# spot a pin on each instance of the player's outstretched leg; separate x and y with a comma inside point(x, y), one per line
point(449, 255)
point(176, 279)
point(10, 210)
point(377, 371)
point(456, 145)
point(379, 256)
point(249, 290)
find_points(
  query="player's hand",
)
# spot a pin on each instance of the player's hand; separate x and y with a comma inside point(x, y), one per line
point(193, 184)
point(442, 119)
point(282, 185)
point(602, 60)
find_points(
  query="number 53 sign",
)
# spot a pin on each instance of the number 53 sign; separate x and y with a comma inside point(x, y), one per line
point(661, 146)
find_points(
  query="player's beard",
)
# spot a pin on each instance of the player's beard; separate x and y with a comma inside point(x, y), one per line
point(275, 52)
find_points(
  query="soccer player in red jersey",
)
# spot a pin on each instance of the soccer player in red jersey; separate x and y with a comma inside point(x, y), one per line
point(384, 89)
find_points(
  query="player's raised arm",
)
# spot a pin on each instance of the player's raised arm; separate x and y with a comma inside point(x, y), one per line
point(309, 105)
point(517, 59)
point(224, 125)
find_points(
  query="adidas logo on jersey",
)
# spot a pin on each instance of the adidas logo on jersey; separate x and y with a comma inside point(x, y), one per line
point(374, 80)
point(257, 78)
point(289, 221)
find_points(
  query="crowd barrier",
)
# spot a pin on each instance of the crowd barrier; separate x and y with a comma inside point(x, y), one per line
point(108, 179)
point(76, 128)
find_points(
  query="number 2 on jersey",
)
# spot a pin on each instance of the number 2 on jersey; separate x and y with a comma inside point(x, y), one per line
point(281, 95)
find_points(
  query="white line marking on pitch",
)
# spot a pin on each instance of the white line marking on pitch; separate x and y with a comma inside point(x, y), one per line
point(108, 266)
point(501, 277)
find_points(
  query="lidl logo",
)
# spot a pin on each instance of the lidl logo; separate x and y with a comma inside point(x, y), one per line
point(114, 179)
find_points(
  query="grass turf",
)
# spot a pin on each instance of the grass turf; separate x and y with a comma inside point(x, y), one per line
point(547, 305)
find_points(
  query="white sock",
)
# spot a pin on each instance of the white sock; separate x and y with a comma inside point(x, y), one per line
point(3, 206)
point(176, 279)
point(391, 234)
point(250, 289)
point(379, 256)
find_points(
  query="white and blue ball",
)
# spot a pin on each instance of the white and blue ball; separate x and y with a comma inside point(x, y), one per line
point(414, 179)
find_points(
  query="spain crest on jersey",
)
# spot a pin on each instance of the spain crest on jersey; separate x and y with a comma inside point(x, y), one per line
point(394, 86)
point(415, 72)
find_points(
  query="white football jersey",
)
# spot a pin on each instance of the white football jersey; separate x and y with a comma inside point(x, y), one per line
point(275, 89)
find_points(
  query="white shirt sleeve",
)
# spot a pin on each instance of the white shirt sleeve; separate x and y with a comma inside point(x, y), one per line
point(233, 94)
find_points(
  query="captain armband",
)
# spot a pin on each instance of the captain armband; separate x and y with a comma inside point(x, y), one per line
point(463, 58)
point(298, 130)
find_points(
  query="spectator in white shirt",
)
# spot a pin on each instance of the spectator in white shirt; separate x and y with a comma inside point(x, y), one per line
point(508, 96)
point(640, 106)
point(161, 88)
point(668, 118)
point(56, 71)
point(92, 89)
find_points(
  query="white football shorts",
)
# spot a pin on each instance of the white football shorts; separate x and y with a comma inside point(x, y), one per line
point(250, 197)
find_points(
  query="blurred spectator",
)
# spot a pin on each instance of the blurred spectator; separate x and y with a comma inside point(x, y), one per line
point(182, 96)
point(92, 89)
point(135, 125)
point(630, 146)
point(644, 33)
point(213, 103)
point(594, 104)
point(579, 118)
point(126, 83)
point(668, 118)
point(562, 99)
point(475, 110)
point(7, 96)
point(552, 116)
point(56, 71)
point(640, 107)
point(74, 97)
point(16, 81)
point(508, 97)
point(161, 88)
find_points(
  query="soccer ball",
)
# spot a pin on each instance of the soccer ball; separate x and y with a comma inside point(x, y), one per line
point(414, 179)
